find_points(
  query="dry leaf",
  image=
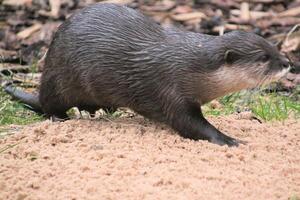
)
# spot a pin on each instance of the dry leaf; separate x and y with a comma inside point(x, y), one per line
point(157, 16)
point(121, 2)
point(160, 6)
point(28, 31)
point(31, 79)
point(6, 55)
point(182, 9)
point(290, 12)
point(286, 21)
point(245, 11)
point(215, 104)
point(188, 16)
point(287, 83)
point(13, 67)
point(55, 8)
point(224, 3)
point(254, 15)
point(17, 2)
point(231, 27)
point(261, 1)
point(291, 43)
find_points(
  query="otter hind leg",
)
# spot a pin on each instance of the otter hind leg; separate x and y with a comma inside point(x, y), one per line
point(91, 109)
point(59, 117)
point(58, 114)
point(55, 109)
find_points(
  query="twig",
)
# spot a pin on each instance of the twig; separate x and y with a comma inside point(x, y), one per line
point(8, 147)
point(290, 32)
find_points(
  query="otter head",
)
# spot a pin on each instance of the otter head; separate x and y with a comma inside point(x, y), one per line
point(241, 60)
point(249, 61)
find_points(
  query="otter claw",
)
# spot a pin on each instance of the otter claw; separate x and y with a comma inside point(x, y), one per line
point(241, 142)
point(232, 142)
point(226, 140)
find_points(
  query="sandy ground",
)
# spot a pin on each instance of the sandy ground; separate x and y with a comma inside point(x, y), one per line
point(138, 159)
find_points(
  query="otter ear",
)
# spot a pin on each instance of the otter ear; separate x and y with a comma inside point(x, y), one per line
point(231, 56)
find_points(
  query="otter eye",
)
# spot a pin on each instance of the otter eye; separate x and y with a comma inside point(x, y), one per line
point(265, 58)
point(231, 56)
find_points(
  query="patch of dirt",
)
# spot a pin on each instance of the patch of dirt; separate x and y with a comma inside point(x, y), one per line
point(138, 159)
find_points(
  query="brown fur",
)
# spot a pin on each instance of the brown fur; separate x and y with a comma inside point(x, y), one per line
point(107, 56)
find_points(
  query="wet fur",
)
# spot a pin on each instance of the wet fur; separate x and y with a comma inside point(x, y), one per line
point(109, 56)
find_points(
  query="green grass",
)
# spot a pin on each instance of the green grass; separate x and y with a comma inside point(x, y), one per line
point(275, 108)
point(265, 106)
point(294, 197)
point(12, 112)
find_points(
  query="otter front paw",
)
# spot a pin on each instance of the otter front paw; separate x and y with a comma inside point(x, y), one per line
point(226, 140)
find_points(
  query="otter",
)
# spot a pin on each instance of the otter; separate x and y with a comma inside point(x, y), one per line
point(110, 56)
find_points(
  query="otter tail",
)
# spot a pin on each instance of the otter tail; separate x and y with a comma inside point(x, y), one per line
point(31, 101)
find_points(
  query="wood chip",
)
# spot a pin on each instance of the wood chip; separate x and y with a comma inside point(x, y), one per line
point(188, 16)
point(28, 31)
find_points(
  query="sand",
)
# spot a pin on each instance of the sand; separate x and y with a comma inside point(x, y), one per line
point(138, 159)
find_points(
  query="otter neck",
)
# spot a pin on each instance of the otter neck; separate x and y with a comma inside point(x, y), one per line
point(200, 70)
point(197, 62)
